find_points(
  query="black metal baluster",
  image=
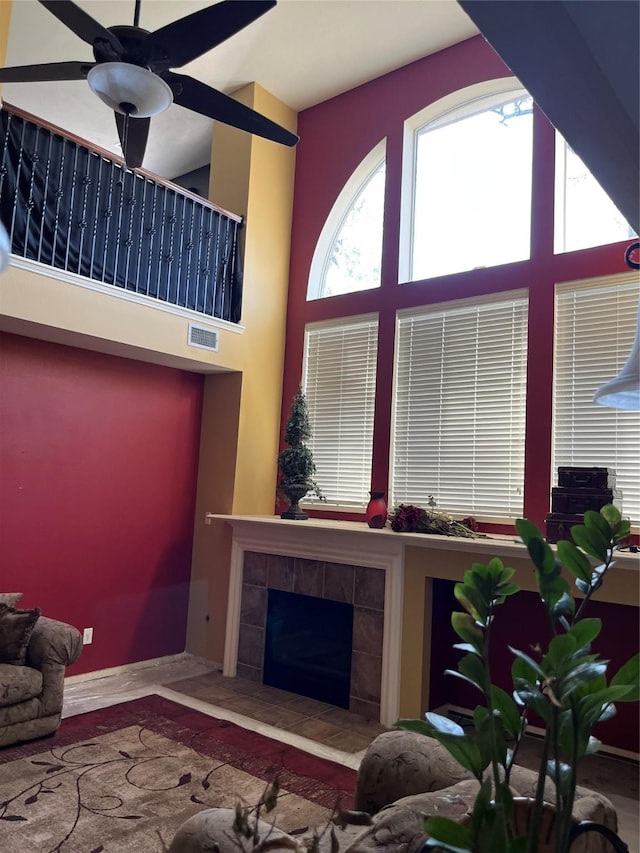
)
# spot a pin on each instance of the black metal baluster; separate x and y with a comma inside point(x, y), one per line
point(5, 156)
point(161, 246)
point(120, 184)
point(108, 216)
point(141, 214)
point(216, 266)
point(16, 196)
point(59, 196)
point(152, 230)
point(45, 197)
point(208, 295)
point(71, 203)
point(96, 214)
point(132, 201)
point(30, 202)
point(181, 203)
point(168, 256)
point(206, 227)
point(190, 248)
point(82, 222)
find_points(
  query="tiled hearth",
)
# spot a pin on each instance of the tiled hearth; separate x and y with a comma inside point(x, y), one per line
point(363, 587)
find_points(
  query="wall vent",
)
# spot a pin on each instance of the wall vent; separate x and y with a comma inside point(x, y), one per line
point(203, 337)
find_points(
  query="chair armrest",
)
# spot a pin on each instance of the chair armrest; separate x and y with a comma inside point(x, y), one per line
point(53, 643)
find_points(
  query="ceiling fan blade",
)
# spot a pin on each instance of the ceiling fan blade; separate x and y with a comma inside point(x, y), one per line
point(47, 71)
point(133, 133)
point(186, 39)
point(82, 24)
point(200, 98)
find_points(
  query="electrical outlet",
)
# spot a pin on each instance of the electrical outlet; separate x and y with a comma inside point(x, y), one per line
point(87, 636)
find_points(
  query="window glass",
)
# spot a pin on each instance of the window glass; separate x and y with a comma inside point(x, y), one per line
point(472, 187)
point(348, 255)
point(459, 407)
point(594, 333)
point(339, 381)
point(584, 215)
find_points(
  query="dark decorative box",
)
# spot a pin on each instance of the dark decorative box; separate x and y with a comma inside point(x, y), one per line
point(559, 526)
point(575, 501)
point(586, 478)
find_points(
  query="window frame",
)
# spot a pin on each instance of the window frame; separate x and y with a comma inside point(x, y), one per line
point(604, 413)
point(515, 295)
point(369, 319)
point(337, 215)
point(458, 105)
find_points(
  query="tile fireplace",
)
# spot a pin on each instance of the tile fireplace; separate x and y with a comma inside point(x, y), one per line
point(358, 586)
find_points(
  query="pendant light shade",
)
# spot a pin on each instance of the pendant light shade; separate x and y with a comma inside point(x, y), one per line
point(623, 392)
point(129, 89)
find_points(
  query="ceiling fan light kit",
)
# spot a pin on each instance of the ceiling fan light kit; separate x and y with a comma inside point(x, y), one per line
point(132, 73)
point(129, 89)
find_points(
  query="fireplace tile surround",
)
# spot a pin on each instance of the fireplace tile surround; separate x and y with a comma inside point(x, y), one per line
point(324, 554)
point(361, 586)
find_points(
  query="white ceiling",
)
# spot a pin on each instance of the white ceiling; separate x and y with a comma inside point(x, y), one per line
point(302, 51)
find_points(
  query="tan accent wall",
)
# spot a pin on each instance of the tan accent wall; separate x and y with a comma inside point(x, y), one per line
point(5, 17)
point(241, 421)
point(421, 568)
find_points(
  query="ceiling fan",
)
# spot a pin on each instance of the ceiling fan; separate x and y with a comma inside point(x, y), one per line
point(132, 72)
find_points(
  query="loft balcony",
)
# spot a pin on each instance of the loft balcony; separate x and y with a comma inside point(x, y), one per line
point(69, 207)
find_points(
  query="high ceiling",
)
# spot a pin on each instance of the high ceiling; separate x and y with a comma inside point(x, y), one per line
point(302, 51)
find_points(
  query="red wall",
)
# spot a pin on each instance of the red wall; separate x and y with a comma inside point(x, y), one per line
point(335, 136)
point(98, 467)
point(521, 623)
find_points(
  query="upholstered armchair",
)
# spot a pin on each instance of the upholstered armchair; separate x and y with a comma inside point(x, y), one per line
point(34, 653)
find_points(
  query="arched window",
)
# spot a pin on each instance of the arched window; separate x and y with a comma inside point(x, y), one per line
point(467, 182)
point(349, 251)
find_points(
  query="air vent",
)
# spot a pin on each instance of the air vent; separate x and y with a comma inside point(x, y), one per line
point(201, 336)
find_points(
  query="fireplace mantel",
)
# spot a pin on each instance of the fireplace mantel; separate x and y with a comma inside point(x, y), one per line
point(410, 562)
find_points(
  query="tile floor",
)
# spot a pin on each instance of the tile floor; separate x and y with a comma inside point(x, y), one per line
point(311, 725)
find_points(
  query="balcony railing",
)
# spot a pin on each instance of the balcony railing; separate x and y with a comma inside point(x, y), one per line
point(76, 209)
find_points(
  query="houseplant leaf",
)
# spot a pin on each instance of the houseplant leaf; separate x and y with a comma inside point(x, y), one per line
point(467, 629)
point(574, 560)
point(629, 674)
point(585, 631)
point(449, 835)
point(590, 540)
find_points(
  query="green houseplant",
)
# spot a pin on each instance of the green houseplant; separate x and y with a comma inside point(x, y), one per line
point(565, 686)
point(295, 462)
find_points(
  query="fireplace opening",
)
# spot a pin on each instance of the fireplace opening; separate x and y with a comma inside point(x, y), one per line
point(308, 646)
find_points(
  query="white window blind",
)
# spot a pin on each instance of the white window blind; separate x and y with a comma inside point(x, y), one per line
point(339, 383)
point(594, 331)
point(459, 413)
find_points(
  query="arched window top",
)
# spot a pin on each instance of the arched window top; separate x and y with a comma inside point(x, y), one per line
point(466, 191)
point(348, 254)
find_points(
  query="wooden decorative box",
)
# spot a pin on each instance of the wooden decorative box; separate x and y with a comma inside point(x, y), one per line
point(586, 478)
point(559, 526)
point(569, 501)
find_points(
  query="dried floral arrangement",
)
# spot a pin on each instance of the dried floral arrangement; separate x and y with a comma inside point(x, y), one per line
point(408, 518)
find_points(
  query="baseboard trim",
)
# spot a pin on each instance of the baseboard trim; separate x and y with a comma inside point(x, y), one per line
point(133, 667)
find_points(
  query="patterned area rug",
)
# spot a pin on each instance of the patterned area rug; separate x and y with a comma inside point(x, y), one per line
point(124, 779)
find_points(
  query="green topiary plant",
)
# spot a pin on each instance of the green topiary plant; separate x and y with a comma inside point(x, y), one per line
point(295, 462)
point(565, 686)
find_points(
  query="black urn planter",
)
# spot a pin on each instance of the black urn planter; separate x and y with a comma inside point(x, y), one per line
point(294, 494)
